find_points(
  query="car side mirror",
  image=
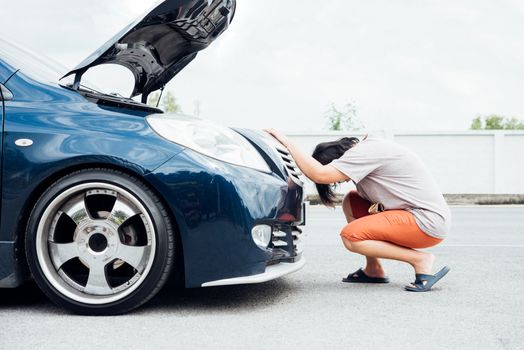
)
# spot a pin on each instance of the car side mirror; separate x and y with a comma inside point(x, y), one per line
point(5, 94)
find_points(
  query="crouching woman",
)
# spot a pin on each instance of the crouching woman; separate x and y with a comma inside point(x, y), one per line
point(397, 207)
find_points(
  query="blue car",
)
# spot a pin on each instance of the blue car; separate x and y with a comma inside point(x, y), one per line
point(103, 197)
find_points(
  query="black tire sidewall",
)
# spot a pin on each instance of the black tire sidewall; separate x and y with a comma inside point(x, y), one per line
point(162, 261)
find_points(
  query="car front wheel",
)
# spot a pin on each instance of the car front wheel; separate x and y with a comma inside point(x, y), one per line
point(99, 242)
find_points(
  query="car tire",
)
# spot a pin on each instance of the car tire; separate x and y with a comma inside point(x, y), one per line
point(99, 242)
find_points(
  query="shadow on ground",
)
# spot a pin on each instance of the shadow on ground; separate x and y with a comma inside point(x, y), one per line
point(28, 295)
point(170, 299)
point(220, 299)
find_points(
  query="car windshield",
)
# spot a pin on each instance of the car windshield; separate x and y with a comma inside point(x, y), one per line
point(35, 66)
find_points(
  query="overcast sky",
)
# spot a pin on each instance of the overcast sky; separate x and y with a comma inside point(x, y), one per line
point(405, 64)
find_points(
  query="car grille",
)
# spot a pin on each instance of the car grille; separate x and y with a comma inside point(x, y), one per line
point(291, 167)
point(290, 241)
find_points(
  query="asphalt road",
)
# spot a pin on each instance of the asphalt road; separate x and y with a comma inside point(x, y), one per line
point(479, 305)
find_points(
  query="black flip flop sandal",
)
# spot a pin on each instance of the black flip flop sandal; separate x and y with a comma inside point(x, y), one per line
point(361, 277)
point(423, 283)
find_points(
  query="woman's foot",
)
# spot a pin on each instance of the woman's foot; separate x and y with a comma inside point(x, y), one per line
point(361, 277)
point(423, 283)
point(374, 268)
point(374, 271)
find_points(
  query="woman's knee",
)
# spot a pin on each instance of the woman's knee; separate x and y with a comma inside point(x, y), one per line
point(351, 233)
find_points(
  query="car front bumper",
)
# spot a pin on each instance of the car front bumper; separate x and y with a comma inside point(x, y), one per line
point(216, 205)
point(272, 272)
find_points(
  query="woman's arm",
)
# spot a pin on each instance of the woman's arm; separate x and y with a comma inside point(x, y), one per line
point(310, 167)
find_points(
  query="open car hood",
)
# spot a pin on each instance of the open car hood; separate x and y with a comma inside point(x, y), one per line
point(162, 42)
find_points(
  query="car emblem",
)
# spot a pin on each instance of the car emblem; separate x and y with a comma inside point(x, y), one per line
point(24, 142)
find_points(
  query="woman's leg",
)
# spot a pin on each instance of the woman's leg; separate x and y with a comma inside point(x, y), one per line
point(422, 262)
point(351, 200)
point(390, 235)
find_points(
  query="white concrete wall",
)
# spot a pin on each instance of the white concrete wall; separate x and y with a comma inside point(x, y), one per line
point(479, 162)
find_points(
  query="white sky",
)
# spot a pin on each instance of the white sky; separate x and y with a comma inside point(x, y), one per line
point(405, 64)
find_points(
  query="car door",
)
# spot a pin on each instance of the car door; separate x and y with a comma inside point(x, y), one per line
point(5, 95)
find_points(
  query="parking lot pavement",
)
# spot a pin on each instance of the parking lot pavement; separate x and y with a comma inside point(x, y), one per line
point(479, 305)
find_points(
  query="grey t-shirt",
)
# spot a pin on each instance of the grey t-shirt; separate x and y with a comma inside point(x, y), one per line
point(385, 172)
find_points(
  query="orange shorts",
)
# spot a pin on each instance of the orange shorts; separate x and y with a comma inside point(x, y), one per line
point(394, 226)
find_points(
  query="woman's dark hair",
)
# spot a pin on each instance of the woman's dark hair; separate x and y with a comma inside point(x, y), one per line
point(325, 153)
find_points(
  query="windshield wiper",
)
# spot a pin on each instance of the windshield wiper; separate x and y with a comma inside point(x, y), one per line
point(91, 89)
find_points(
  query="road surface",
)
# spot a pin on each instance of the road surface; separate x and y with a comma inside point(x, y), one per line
point(479, 305)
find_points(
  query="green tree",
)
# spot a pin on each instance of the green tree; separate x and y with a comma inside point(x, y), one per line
point(344, 118)
point(514, 124)
point(168, 102)
point(476, 124)
point(496, 122)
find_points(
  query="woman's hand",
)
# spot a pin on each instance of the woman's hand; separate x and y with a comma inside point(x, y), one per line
point(316, 172)
point(278, 136)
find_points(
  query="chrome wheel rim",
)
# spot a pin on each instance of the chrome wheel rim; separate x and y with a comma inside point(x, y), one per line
point(95, 243)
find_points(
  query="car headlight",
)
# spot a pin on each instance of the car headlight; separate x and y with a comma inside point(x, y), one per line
point(206, 137)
